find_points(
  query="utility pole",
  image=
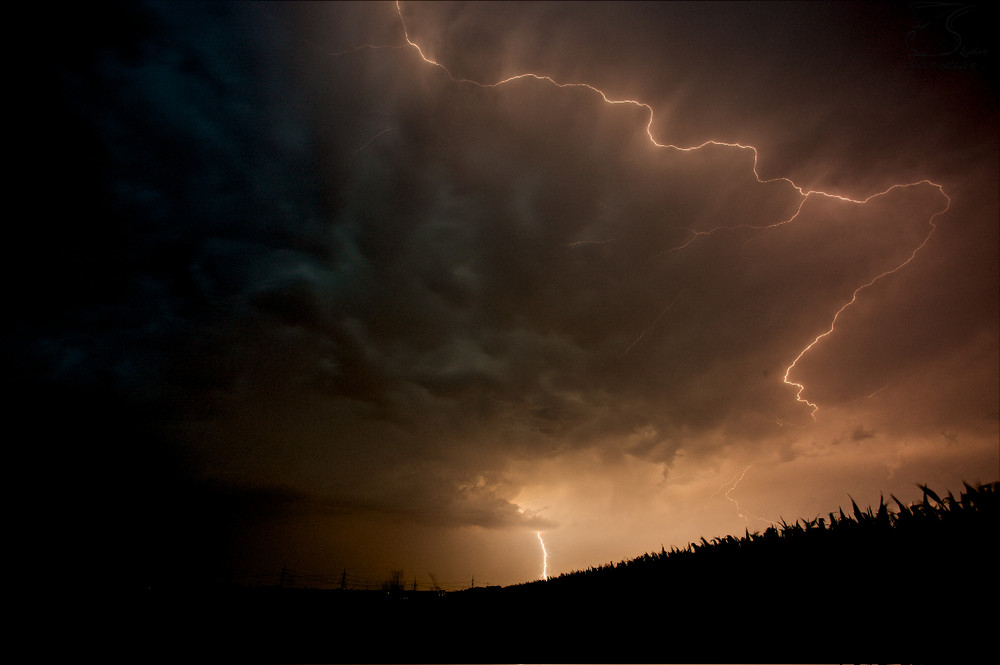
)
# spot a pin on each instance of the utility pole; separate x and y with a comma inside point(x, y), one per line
point(343, 579)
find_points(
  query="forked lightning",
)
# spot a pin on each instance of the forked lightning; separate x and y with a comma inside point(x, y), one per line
point(799, 387)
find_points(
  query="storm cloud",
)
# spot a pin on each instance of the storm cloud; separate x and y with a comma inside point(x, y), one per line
point(303, 275)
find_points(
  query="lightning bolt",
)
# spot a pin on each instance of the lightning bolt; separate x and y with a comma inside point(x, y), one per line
point(651, 326)
point(369, 141)
point(589, 242)
point(870, 283)
point(545, 556)
point(695, 234)
point(732, 486)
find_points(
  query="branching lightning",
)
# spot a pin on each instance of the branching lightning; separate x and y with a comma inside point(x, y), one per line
point(545, 556)
point(729, 497)
point(695, 234)
point(854, 296)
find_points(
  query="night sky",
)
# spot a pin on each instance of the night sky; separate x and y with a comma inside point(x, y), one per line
point(293, 292)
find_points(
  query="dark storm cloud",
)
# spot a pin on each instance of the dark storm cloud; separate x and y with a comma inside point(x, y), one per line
point(346, 283)
point(860, 433)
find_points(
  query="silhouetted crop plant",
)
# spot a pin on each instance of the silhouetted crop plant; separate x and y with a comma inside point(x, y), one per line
point(863, 545)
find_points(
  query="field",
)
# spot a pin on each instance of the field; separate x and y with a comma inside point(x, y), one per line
point(898, 583)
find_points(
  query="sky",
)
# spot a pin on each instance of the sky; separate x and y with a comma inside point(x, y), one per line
point(335, 288)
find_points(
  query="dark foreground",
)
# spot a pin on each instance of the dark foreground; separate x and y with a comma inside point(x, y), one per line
point(803, 619)
point(916, 585)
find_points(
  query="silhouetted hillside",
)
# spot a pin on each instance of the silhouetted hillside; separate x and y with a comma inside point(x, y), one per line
point(897, 583)
point(888, 546)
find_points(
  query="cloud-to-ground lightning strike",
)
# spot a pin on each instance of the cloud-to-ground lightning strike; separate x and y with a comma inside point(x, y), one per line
point(728, 495)
point(545, 556)
point(799, 387)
